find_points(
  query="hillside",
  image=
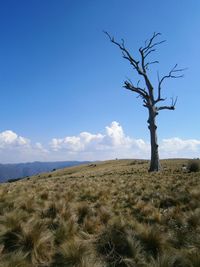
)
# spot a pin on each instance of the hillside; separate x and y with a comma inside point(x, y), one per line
point(20, 170)
point(107, 214)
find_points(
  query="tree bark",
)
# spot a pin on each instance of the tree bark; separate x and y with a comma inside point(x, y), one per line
point(154, 163)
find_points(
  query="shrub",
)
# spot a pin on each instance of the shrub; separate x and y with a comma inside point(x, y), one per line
point(13, 180)
point(194, 165)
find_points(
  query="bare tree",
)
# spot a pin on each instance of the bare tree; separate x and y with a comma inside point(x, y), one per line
point(151, 96)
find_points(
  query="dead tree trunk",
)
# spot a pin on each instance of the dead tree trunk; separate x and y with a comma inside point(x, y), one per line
point(154, 163)
point(147, 92)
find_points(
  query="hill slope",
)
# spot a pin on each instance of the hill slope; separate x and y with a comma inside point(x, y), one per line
point(20, 170)
point(106, 214)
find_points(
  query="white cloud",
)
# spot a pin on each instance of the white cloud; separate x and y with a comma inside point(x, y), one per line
point(177, 147)
point(116, 136)
point(76, 143)
point(15, 148)
point(115, 143)
point(10, 139)
point(111, 143)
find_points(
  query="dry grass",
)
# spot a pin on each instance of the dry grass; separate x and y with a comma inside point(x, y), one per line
point(108, 214)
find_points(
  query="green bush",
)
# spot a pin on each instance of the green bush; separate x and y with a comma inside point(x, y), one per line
point(194, 165)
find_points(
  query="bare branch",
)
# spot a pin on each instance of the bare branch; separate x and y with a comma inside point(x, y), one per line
point(172, 74)
point(172, 107)
point(150, 63)
point(141, 67)
point(125, 53)
point(149, 52)
point(146, 103)
point(140, 70)
point(150, 45)
point(141, 92)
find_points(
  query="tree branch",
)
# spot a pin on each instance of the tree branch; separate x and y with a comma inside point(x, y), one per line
point(141, 92)
point(125, 52)
point(135, 63)
point(171, 74)
point(172, 107)
point(150, 63)
point(148, 49)
point(142, 66)
point(150, 46)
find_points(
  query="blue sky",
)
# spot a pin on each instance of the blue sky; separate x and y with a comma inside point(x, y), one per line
point(60, 76)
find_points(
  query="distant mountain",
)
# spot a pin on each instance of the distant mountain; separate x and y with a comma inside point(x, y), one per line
point(21, 170)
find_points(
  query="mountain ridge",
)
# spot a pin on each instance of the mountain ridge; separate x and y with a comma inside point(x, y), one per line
point(21, 170)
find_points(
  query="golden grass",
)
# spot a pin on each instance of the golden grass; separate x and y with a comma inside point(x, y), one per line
point(107, 214)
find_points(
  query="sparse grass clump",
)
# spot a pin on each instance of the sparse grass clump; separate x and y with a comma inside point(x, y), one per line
point(71, 253)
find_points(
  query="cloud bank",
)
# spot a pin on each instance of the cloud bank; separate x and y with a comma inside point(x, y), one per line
point(111, 143)
point(15, 149)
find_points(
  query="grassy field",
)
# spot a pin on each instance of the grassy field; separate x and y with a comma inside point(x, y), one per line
point(107, 214)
